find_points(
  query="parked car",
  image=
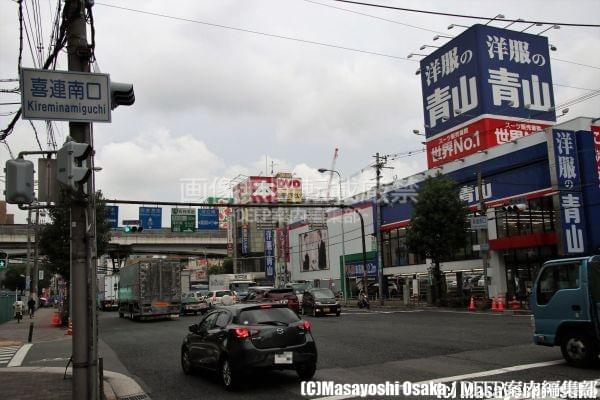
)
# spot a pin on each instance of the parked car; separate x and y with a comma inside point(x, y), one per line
point(272, 295)
point(215, 297)
point(243, 338)
point(317, 301)
point(299, 288)
point(255, 290)
point(193, 303)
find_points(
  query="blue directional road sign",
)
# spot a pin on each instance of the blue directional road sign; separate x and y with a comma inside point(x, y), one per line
point(112, 216)
point(151, 217)
point(208, 218)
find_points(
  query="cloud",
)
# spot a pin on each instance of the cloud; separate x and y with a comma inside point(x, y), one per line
point(153, 164)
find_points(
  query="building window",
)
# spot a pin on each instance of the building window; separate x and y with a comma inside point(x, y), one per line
point(535, 216)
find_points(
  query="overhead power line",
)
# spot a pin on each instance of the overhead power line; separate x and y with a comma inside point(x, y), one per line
point(467, 16)
point(295, 39)
point(273, 35)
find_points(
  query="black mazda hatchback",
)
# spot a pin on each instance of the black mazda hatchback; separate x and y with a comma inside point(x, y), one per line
point(242, 338)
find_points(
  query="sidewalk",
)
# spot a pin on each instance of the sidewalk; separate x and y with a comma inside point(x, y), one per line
point(398, 305)
point(45, 359)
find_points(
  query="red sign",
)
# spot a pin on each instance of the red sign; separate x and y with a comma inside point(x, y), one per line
point(283, 245)
point(263, 189)
point(596, 133)
point(479, 135)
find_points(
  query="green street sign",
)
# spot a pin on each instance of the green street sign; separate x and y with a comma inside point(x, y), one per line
point(183, 220)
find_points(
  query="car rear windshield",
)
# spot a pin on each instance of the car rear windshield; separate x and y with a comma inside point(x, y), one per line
point(223, 293)
point(266, 315)
point(323, 294)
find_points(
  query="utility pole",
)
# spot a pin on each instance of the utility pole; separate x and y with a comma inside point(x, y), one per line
point(483, 236)
point(380, 162)
point(85, 382)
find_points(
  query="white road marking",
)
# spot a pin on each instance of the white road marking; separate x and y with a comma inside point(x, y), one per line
point(473, 375)
point(17, 360)
point(380, 312)
point(6, 353)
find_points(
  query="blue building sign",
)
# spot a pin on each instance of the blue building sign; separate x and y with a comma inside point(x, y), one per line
point(355, 269)
point(244, 239)
point(572, 232)
point(269, 255)
point(151, 217)
point(208, 218)
point(487, 70)
point(112, 217)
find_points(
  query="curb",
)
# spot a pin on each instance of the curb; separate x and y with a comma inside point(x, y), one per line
point(117, 386)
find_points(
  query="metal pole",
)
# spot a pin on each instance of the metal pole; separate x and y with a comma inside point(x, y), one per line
point(377, 225)
point(34, 286)
point(343, 276)
point(78, 60)
point(28, 264)
point(483, 237)
point(364, 248)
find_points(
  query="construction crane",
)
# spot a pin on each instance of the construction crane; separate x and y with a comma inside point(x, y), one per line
point(335, 156)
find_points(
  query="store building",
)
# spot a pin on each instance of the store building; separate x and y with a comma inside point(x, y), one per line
point(531, 215)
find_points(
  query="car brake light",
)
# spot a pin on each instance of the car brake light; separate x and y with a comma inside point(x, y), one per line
point(265, 306)
point(241, 333)
point(306, 325)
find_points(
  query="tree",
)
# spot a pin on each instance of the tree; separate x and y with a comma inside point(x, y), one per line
point(13, 279)
point(438, 226)
point(54, 237)
point(227, 265)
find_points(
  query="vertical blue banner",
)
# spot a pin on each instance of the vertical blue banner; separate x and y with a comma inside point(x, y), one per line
point(112, 216)
point(208, 218)
point(244, 239)
point(151, 217)
point(568, 181)
point(269, 256)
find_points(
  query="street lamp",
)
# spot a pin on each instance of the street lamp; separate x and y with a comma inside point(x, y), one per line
point(547, 29)
point(455, 25)
point(499, 16)
point(513, 22)
point(342, 275)
point(416, 54)
point(436, 37)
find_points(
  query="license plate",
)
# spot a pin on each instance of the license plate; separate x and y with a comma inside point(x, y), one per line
point(284, 358)
point(326, 309)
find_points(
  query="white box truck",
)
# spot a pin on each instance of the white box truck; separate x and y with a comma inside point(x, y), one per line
point(238, 283)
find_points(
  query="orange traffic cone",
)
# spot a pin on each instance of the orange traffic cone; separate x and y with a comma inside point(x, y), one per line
point(500, 304)
point(70, 328)
point(472, 304)
point(56, 319)
point(494, 304)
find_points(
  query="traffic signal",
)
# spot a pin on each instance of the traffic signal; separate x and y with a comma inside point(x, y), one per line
point(70, 158)
point(19, 181)
point(121, 94)
point(3, 259)
point(133, 228)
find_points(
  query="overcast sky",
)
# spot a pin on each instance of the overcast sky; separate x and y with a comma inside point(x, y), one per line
point(213, 103)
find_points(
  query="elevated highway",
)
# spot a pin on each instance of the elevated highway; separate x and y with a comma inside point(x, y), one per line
point(13, 240)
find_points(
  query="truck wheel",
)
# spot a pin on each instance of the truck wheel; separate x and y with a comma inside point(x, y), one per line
point(579, 349)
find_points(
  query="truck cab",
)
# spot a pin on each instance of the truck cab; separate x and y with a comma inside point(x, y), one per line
point(565, 303)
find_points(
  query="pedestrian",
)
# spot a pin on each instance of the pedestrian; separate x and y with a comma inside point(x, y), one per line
point(31, 307)
point(18, 310)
